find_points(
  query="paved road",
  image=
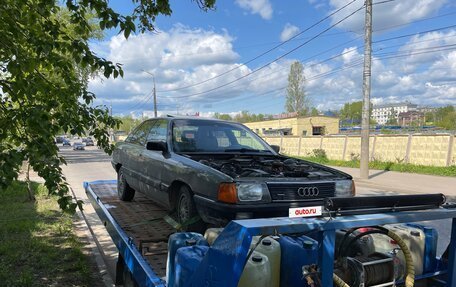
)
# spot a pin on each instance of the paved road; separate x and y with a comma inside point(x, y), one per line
point(93, 164)
point(89, 165)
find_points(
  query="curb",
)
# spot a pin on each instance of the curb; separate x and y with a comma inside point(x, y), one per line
point(97, 250)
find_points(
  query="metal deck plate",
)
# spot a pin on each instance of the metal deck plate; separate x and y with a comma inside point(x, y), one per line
point(142, 220)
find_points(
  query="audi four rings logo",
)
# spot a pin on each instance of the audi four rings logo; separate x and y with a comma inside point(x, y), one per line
point(308, 191)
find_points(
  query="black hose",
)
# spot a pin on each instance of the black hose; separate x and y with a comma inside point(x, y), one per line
point(346, 235)
point(353, 240)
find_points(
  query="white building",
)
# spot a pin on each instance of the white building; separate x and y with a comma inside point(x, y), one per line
point(382, 113)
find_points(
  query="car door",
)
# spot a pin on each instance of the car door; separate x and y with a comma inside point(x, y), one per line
point(131, 155)
point(153, 162)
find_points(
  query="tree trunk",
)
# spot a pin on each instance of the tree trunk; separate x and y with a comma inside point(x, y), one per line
point(29, 183)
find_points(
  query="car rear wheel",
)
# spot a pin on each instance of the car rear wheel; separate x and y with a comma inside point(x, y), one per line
point(187, 215)
point(125, 192)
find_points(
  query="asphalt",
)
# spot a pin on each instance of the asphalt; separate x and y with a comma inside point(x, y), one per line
point(90, 165)
point(405, 183)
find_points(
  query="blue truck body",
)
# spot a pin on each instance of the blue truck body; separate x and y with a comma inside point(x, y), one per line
point(224, 262)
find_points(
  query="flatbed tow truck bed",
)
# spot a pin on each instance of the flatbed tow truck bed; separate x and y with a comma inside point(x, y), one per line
point(140, 232)
point(141, 221)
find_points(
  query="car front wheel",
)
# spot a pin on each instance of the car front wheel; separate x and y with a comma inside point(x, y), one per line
point(187, 214)
point(125, 192)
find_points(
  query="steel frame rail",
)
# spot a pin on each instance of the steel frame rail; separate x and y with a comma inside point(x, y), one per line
point(136, 264)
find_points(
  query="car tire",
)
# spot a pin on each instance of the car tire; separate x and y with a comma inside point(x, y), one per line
point(124, 191)
point(186, 211)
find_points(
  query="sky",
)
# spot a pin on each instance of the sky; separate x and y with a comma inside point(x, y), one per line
point(237, 57)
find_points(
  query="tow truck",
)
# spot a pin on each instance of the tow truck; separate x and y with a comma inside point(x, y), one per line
point(141, 229)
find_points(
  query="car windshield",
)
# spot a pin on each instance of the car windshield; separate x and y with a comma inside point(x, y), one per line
point(213, 136)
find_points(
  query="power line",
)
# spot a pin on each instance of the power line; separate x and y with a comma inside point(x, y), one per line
point(264, 53)
point(344, 53)
point(275, 60)
point(386, 28)
point(356, 62)
point(413, 34)
point(359, 61)
point(146, 98)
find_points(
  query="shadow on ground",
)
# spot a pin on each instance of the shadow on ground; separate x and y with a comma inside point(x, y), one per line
point(84, 156)
point(38, 246)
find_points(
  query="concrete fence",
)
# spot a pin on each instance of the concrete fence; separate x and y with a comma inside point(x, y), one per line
point(431, 150)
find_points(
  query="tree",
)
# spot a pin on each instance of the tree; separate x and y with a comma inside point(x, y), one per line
point(44, 62)
point(392, 117)
point(314, 112)
point(296, 99)
point(444, 117)
point(351, 112)
point(128, 123)
point(225, 117)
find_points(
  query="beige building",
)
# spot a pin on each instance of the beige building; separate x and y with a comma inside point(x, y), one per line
point(297, 126)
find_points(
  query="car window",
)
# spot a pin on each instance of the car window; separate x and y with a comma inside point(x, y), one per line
point(158, 131)
point(213, 136)
point(245, 138)
point(140, 134)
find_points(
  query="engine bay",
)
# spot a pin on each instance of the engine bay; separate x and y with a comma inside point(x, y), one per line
point(264, 166)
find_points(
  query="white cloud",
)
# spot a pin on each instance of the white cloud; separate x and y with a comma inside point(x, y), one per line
point(288, 32)
point(261, 7)
point(175, 58)
point(385, 14)
point(180, 57)
point(417, 50)
point(425, 79)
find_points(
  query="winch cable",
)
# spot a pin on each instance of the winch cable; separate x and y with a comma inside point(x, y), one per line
point(409, 266)
point(339, 282)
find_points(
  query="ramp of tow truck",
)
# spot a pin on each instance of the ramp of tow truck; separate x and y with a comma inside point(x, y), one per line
point(138, 229)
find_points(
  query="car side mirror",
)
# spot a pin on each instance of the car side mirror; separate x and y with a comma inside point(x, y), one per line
point(276, 148)
point(157, 146)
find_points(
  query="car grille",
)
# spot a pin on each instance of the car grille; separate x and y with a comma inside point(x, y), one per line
point(289, 191)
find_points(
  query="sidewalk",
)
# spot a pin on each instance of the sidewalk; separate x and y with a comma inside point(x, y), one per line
point(404, 182)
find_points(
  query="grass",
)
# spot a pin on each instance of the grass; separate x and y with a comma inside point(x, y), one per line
point(38, 246)
point(389, 166)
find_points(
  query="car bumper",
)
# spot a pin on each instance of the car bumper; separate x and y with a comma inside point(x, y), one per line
point(220, 213)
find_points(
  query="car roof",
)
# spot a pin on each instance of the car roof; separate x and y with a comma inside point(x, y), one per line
point(173, 118)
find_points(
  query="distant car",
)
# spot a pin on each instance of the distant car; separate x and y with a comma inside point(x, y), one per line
point(89, 142)
point(78, 146)
point(84, 140)
point(59, 139)
point(66, 142)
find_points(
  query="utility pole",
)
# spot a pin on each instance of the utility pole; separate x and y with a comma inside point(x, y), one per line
point(155, 92)
point(364, 164)
point(155, 98)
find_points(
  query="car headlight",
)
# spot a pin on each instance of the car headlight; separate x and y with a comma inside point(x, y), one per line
point(250, 191)
point(243, 192)
point(345, 188)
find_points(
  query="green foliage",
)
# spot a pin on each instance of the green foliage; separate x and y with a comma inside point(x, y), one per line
point(243, 117)
point(45, 59)
point(444, 117)
point(127, 123)
point(225, 117)
point(296, 99)
point(389, 166)
point(352, 112)
point(320, 154)
point(37, 244)
point(314, 112)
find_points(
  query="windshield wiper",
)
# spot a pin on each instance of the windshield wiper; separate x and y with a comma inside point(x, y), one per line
point(243, 150)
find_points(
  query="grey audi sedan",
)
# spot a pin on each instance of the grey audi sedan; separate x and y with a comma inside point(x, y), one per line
point(213, 171)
